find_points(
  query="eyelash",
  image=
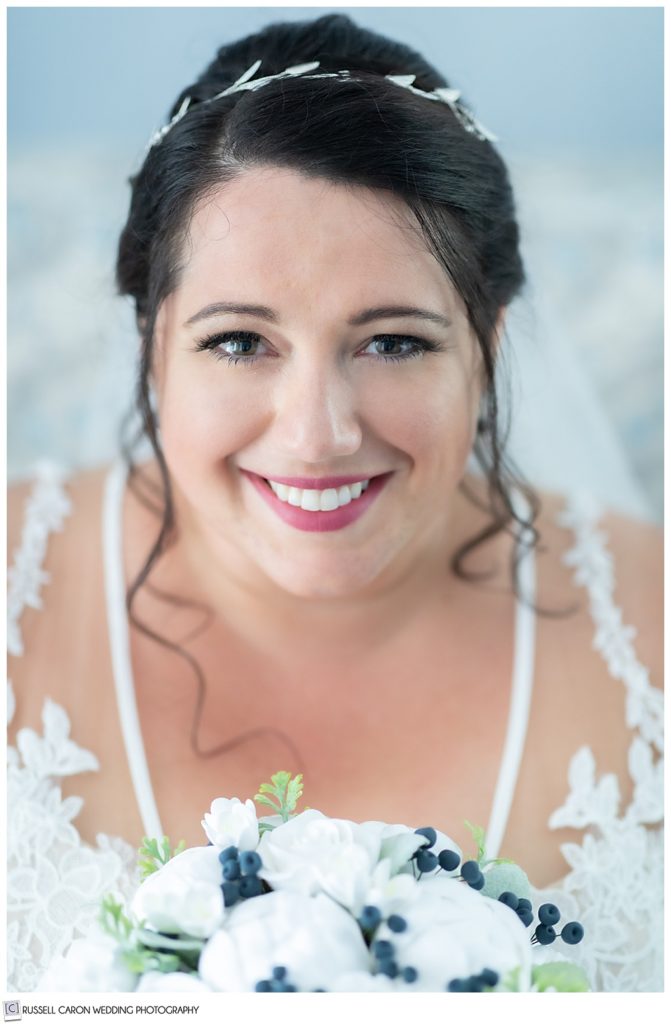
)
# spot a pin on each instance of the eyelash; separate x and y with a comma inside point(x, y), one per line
point(213, 343)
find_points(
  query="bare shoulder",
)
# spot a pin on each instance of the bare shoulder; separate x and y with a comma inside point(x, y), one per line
point(629, 572)
point(55, 634)
point(579, 702)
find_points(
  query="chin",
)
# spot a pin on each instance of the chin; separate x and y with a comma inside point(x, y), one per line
point(326, 580)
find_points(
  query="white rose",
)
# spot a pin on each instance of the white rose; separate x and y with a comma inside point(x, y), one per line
point(90, 965)
point(232, 823)
point(390, 893)
point(315, 939)
point(176, 981)
point(184, 895)
point(454, 932)
point(312, 853)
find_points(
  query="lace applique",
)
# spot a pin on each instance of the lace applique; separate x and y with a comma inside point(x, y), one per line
point(54, 880)
point(615, 886)
point(47, 507)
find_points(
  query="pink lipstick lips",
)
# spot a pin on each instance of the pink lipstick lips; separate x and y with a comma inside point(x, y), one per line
point(317, 522)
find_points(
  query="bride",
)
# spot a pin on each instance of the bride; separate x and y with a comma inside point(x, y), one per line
point(306, 574)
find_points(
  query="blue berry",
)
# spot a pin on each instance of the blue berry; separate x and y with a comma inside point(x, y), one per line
point(279, 973)
point(470, 870)
point(388, 967)
point(523, 904)
point(489, 977)
point(230, 853)
point(250, 862)
point(448, 860)
point(397, 923)
point(572, 933)
point(428, 833)
point(289, 988)
point(426, 861)
point(548, 914)
point(231, 893)
point(410, 974)
point(370, 918)
point(473, 984)
point(510, 900)
point(526, 917)
point(250, 885)
point(262, 986)
point(277, 985)
point(231, 870)
point(383, 949)
point(457, 985)
point(545, 934)
point(478, 883)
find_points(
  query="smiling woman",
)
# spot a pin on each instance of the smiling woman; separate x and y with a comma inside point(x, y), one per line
point(321, 250)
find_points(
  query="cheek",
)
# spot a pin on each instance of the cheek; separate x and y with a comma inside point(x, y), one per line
point(204, 418)
point(431, 419)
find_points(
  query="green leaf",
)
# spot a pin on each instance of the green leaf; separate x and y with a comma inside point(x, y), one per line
point(478, 833)
point(561, 976)
point(267, 802)
point(152, 857)
point(285, 790)
point(294, 792)
point(114, 921)
point(505, 878)
point(511, 982)
point(139, 961)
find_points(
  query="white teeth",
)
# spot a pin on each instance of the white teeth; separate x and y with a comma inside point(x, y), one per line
point(319, 501)
point(329, 500)
point(311, 501)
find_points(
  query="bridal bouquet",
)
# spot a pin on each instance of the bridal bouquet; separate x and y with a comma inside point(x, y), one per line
point(300, 902)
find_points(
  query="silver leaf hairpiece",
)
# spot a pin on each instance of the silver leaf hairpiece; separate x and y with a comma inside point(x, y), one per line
point(444, 95)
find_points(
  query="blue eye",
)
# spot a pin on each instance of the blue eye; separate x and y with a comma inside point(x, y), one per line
point(399, 347)
point(234, 346)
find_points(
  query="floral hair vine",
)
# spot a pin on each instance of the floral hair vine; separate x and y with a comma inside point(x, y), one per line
point(443, 95)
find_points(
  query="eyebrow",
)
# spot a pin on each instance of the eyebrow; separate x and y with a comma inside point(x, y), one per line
point(366, 316)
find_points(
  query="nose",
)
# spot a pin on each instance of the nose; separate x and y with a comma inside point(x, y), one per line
point(316, 417)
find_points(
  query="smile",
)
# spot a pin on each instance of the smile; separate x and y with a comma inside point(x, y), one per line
point(324, 509)
point(319, 501)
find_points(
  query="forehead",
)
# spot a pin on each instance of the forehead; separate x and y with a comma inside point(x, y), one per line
point(275, 234)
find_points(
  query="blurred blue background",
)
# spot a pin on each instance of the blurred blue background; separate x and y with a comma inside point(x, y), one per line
point(575, 96)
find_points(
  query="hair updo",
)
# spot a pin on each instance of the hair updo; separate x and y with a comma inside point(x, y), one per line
point(363, 131)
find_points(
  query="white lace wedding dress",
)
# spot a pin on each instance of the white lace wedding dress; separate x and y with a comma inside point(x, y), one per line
point(614, 884)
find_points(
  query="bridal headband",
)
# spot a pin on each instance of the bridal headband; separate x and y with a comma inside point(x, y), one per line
point(443, 95)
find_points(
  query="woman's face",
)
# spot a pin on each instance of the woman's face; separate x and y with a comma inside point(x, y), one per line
point(326, 380)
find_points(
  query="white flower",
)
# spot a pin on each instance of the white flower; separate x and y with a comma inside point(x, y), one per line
point(90, 965)
point(177, 981)
point(315, 939)
point(390, 893)
point(232, 823)
point(454, 932)
point(312, 853)
point(184, 895)
point(363, 981)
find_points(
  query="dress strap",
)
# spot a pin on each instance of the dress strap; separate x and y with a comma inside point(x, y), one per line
point(520, 698)
point(117, 621)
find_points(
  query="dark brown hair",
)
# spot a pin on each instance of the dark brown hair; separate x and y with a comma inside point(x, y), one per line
point(362, 131)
